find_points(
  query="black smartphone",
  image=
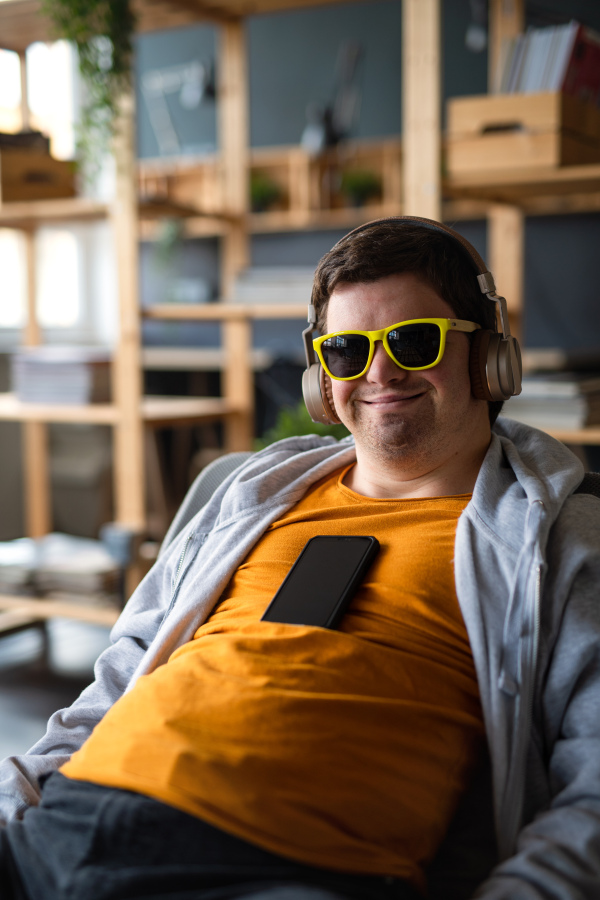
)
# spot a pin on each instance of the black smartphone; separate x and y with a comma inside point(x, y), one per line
point(320, 585)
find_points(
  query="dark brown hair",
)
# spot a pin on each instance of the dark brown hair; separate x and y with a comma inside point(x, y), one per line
point(388, 248)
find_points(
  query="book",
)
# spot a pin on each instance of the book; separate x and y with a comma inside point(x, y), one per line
point(567, 400)
point(559, 58)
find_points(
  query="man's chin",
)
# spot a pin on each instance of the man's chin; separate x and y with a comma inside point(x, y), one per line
point(390, 436)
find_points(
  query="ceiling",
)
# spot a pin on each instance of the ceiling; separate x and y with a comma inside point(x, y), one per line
point(22, 21)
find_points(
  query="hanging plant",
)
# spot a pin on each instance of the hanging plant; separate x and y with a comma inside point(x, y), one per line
point(102, 31)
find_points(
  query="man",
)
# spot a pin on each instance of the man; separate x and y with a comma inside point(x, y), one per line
point(232, 757)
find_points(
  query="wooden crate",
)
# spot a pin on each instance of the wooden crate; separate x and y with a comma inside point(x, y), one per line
point(27, 174)
point(513, 131)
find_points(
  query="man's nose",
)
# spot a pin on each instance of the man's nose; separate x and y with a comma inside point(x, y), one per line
point(383, 369)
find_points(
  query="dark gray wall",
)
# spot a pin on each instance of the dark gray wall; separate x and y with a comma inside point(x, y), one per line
point(293, 56)
point(159, 51)
point(292, 59)
point(562, 297)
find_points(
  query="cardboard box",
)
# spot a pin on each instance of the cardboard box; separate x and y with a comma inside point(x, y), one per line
point(27, 174)
point(514, 131)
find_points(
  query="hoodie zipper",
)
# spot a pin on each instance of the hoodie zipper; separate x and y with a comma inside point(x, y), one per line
point(180, 565)
point(524, 720)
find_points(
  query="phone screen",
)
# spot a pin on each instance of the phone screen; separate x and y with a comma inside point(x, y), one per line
point(320, 585)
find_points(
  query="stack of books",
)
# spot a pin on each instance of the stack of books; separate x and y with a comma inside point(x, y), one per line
point(17, 566)
point(59, 563)
point(63, 375)
point(561, 58)
point(75, 565)
point(274, 284)
point(557, 400)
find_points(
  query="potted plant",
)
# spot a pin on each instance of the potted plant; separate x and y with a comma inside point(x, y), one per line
point(295, 420)
point(102, 32)
point(264, 192)
point(360, 186)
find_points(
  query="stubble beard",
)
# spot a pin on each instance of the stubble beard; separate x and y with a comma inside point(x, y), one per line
point(392, 438)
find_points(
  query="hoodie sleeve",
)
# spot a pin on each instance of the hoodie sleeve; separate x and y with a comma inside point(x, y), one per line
point(558, 851)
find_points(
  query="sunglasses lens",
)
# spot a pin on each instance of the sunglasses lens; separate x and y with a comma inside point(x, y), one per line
point(345, 355)
point(415, 346)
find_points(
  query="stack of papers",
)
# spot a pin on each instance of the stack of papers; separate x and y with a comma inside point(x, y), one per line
point(65, 375)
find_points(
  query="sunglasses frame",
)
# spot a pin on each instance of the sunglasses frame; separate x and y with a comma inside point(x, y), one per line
point(381, 334)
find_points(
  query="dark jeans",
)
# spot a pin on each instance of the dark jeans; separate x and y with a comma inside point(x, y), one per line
point(87, 842)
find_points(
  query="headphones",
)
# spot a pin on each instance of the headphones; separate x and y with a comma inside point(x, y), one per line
point(495, 366)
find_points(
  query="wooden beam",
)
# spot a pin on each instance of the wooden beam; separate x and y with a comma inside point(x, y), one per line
point(127, 370)
point(38, 513)
point(421, 104)
point(36, 468)
point(506, 239)
point(233, 139)
point(506, 224)
point(25, 117)
point(238, 384)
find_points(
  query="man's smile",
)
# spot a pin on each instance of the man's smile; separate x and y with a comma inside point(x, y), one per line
point(392, 399)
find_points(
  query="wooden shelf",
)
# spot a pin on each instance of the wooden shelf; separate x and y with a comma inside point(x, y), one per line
point(585, 436)
point(22, 21)
point(184, 410)
point(226, 312)
point(64, 607)
point(155, 411)
point(534, 189)
point(201, 359)
point(27, 214)
point(13, 409)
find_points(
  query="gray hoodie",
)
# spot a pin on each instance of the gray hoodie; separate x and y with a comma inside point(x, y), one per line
point(527, 566)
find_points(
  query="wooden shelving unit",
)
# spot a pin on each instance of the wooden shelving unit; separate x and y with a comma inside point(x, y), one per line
point(211, 197)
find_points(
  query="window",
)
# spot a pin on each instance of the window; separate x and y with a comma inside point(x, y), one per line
point(13, 298)
point(10, 91)
point(58, 278)
point(50, 82)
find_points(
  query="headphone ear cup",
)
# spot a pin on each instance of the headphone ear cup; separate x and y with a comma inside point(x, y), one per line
point(494, 366)
point(327, 394)
point(478, 358)
point(316, 390)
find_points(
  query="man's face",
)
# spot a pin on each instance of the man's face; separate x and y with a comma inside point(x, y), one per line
point(419, 419)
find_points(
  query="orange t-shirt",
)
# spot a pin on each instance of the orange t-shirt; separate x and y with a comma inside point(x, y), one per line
point(345, 749)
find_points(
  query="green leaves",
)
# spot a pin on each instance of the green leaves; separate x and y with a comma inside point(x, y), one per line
point(102, 31)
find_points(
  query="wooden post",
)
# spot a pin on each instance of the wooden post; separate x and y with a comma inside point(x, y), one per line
point(36, 469)
point(506, 224)
point(127, 369)
point(421, 102)
point(25, 116)
point(232, 101)
point(506, 238)
point(238, 382)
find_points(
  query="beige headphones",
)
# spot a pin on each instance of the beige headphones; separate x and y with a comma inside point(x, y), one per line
point(495, 362)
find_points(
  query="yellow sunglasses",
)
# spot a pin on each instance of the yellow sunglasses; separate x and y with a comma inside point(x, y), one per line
point(415, 344)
